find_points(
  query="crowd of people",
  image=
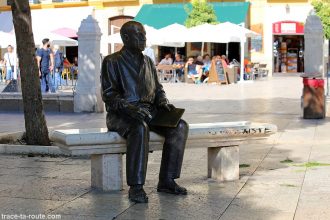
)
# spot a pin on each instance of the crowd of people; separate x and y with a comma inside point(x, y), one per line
point(51, 63)
point(198, 68)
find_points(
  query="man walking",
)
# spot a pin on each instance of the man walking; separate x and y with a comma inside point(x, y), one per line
point(45, 60)
point(132, 93)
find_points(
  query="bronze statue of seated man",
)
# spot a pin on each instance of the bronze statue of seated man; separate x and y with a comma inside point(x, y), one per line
point(132, 94)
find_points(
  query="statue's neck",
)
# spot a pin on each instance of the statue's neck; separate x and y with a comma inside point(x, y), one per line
point(132, 51)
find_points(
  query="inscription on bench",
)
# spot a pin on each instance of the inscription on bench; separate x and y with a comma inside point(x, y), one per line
point(245, 131)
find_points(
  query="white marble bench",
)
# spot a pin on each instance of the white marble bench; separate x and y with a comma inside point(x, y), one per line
point(106, 148)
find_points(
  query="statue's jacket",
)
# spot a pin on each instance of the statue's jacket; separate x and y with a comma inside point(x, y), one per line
point(128, 78)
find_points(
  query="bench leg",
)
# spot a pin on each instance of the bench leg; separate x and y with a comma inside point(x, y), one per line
point(107, 173)
point(223, 163)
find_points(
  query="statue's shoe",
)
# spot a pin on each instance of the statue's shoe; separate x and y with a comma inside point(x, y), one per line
point(137, 194)
point(171, 187)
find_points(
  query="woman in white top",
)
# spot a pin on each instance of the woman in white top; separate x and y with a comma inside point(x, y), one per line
point(10, 63)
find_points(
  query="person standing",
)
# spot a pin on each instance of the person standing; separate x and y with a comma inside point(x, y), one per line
point(2, 70)
point(58, 60)
point(10, 64)
point(148, 51)
point(45, 60)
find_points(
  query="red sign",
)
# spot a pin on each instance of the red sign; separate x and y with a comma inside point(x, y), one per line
point(288, 27)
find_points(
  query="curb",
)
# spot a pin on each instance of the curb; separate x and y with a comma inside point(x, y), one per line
point(27, 149)
point(32, 149)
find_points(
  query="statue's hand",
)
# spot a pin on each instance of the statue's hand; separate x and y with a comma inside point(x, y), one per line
point(166, 106)
point(137, 113)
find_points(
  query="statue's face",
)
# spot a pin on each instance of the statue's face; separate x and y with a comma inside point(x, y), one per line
point(136, 38)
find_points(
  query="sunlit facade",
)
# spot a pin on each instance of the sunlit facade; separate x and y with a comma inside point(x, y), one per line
point(280, 24)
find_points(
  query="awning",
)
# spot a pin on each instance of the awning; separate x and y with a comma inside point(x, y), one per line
point(67, 32)
point(162, 15)
point(48, 20)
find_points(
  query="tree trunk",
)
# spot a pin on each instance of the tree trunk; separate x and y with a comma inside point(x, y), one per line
point(35, 123)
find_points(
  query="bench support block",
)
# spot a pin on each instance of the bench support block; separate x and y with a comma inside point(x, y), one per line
point(223, 163)
point(107, 172)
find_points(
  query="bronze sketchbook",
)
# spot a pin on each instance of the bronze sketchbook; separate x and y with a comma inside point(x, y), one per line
point(165, 118)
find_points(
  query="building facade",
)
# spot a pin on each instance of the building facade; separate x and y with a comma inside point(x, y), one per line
point(280, 24)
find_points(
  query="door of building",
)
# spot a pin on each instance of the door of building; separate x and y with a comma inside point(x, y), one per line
point(288, 46)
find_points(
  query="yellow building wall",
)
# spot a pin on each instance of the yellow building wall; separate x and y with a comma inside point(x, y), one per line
point(98, 4)
point(257, 19)
point(3, 3)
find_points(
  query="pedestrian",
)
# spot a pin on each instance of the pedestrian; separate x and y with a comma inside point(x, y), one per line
point(45, 60)
point(150, 53)
point(74, 68)
point(2, 70)
point(58, 60)
point(10, 64)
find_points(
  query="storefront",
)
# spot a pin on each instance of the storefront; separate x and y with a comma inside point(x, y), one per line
point(288, 47)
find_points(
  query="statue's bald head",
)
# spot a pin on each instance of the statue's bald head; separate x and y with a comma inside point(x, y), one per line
point(133, 35)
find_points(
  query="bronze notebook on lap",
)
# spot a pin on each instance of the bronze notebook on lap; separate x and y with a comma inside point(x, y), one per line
point(165, 118)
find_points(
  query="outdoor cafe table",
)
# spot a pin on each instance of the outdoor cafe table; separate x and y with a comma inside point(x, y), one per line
point(167, 70)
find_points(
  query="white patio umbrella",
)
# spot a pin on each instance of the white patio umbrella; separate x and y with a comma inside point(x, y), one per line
point(54, 39)
point(7, 39)
point(207, 33)
point(174, 35)
point(221, 33)
point(154, 37)
point(10, 38)
point(237, 33)
point(235, 30)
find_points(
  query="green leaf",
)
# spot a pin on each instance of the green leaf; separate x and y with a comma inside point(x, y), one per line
point(322, 9)
point(202, 12)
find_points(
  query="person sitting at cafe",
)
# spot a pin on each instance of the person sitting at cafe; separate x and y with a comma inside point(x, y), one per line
point(206, 67)
point(74, 67)
point(224, 57)
point(167, 60)
point(247, 68)
point(194, 70)
point(66, 63)
point(178, 64)
point(224, 61)
point(206, 62)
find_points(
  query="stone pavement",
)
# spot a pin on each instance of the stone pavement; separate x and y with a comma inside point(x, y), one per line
point(284, 178)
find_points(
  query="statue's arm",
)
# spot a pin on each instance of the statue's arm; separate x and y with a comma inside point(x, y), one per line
point(110, 88)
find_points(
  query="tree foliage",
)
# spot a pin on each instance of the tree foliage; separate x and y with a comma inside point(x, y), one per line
point(201, 12)
point(322, 9)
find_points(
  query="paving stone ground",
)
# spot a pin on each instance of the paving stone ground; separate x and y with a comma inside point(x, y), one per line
point(274, 184)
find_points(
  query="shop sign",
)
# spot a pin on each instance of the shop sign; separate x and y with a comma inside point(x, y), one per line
point(288, 27)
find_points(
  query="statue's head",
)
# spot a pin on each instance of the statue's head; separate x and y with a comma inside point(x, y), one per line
point(133, 35)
